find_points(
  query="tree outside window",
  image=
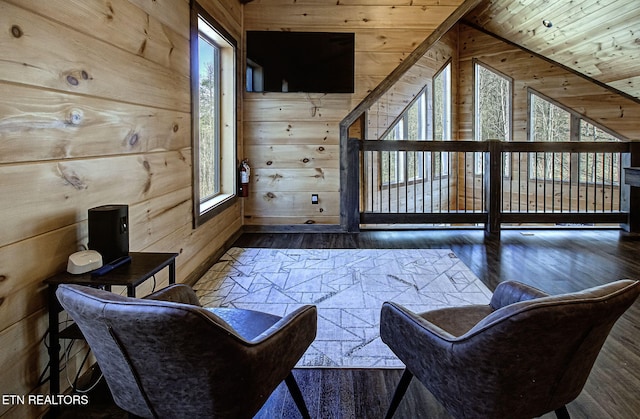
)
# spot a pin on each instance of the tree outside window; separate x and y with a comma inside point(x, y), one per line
point(493, 101)
point(551, 122)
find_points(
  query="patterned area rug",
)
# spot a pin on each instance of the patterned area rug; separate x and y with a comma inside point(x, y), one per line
point(347, 286)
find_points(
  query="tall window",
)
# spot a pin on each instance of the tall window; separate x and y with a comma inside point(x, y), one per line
point(442, 104)
point(551, 122)
point(213, 87)
point(414, 124)
point(492, 104)
point(441, 119)
point(493, 93)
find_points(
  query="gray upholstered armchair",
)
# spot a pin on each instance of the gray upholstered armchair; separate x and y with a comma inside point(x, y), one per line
point(165, 356)
point(523, 355)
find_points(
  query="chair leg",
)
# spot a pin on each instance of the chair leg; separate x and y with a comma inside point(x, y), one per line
point(399, 393)
point(563, 413)
point(292, 384)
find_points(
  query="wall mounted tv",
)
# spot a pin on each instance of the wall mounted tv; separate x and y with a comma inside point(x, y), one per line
point(313, 62)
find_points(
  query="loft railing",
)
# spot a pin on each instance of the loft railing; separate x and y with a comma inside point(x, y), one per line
point(487, 182)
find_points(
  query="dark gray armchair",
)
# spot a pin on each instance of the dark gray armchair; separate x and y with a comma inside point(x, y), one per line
point(165, 356)
point(523, 355)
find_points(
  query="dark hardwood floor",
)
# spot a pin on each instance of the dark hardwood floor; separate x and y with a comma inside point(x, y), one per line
point(553, 260)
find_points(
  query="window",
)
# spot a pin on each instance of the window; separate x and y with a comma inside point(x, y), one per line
point(415, 125)
point(441, 118)
point(442, 104)
point(551, 122)
point(213, 91)
point(492, 104)
point(493, 93)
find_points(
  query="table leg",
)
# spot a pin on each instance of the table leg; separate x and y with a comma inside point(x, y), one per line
point(172, 272)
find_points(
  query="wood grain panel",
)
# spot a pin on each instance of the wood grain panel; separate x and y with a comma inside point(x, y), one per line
point(23, 359)
point(616, 112)
point(295, 132)
point(389, 39)
point(292, 156)
point(50, 55)
point(280, 204)
point(154, 219)
point(260, 107)
point(378, 63)
point(47, 125)
point(278, 17)
point(23, 269)
point(196, 246)
point(173, 13)
point(82, 184)
point(95, 109)
point(290, 221)
point(312, 179)
point(123, 25)
point(588, 38)
point(361, 2)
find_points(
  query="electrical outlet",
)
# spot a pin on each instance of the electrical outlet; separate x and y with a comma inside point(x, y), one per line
point(314, 198)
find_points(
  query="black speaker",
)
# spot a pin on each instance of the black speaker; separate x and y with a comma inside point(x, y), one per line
point(109, 231)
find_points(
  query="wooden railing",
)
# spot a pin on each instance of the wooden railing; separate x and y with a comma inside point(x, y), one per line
point(487, 182)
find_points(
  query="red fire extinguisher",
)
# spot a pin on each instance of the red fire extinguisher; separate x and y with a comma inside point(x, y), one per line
point(245, 171)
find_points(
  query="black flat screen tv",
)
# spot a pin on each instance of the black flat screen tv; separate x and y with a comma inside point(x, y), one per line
point(313, 62)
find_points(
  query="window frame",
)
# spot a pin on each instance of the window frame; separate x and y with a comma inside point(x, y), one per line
point(476, 123)
point(399, 129)
point(227, 142)
point(479, 159)
point(446, 71)
point(575, 134)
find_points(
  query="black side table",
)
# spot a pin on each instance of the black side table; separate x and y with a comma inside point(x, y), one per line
point(142, 267)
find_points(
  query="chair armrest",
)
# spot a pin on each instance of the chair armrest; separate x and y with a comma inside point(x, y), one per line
point(301, 321)
point(511, 292)
point(176, 293)
point(423, 347)
point(396, 321)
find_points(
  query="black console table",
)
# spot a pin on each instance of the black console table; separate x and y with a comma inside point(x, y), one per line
point(142, 267)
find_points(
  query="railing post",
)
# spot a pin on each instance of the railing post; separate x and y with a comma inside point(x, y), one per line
point(350, 183)
point(493, 188)
point(633, 197)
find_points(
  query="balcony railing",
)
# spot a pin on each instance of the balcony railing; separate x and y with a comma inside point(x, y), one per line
point(485, 182)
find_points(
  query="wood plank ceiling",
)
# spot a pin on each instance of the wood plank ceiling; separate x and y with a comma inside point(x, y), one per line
point(597, 38)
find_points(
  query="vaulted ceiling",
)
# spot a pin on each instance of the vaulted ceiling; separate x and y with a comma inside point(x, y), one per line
point(597, 38)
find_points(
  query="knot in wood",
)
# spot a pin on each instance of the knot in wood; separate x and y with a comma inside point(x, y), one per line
point(305, 160)
point(321, 148)
point(269, 163)
point(175, 127)
point(16, 31)
point(72, 80)
point(74, 117)
point(3, 278)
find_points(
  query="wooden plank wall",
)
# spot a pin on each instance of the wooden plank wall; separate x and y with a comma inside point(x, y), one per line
point(609, 109)
point(291, 139)
point(94, 109)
